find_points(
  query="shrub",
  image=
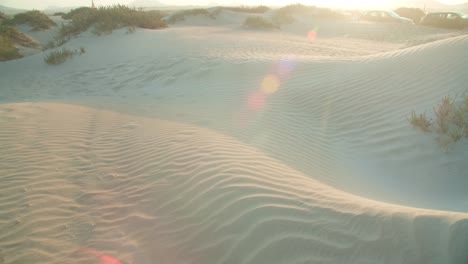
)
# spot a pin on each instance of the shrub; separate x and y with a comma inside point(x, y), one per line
point(420, 121)
point(17, 37)
point(60, 56)
point(246, 9)
point(35, 19)
point(285, 15)
point(106, 19)
point(3, 16)
point(77, 11)
point(258, 22)
point(8, 51)
point(9, 38)
point(444, 114)
point(181, 15)
point(414, 14)
point(451, 120)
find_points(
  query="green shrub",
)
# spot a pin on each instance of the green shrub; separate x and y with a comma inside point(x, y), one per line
point(60, 56)
point(106, 19)
point(451, 120)
point(258, 22)
point(181, 15)
point(246, 9)
point(8, 51)
point(35, 19)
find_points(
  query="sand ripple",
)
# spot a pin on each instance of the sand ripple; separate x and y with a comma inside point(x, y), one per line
point(152, 191)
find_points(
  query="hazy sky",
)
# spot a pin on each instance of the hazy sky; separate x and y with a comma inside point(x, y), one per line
point(41, 4)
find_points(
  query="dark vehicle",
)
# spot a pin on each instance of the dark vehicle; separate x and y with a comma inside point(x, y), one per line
point(385, 16)
point(446, 20)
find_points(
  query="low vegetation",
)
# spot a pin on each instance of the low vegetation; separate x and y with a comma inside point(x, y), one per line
point(451, 120)
point(247, 9)
point(285, 15)
point(8, 50)
point(78, 12)
point(415, 14)
point(258, 22)
point(60, 56)
point(58, 14)
point(2, 16)
point(420, 121)
point(181, 15)
point(10, 37)
point(18, 37)
point(35, 19)
point(106, 19)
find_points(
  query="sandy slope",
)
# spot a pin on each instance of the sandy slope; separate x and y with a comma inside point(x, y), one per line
point(147, 191)
point(270, 132)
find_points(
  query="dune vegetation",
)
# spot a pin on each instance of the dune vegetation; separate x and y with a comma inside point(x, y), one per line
point(18, 37)
point(2, 16)
point(104, 20)
point(8, 51)
point(258, 22)
point(248, 9)
point(35, 19)
point(285, 15)
point(60, 56)
point(181, 15)
point(9, 38)
point(451, 120)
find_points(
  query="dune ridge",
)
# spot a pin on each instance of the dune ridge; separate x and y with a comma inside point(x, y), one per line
point(145, 189)
point(216, 144)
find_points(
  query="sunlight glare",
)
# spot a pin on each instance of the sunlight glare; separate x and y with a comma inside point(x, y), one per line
point(270, 84)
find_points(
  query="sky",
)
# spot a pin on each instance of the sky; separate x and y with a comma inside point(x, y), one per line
point(42, 4)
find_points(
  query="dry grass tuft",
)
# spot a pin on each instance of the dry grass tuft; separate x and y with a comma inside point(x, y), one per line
point(420, 121)
point(60, 56)
point(451, 120)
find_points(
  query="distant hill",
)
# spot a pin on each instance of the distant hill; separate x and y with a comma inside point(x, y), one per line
point(11, 11)
point(146, 3)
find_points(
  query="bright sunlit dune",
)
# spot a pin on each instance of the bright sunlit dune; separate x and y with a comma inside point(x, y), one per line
point(212, 142)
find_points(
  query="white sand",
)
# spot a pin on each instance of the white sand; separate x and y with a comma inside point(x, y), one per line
point(164, 148)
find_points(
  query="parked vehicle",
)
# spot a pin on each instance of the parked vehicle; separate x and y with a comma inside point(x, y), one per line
point(446, 20)
point(385, 16)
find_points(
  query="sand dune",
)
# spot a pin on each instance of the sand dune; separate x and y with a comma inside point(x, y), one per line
point(217, 144)
point(146, 190)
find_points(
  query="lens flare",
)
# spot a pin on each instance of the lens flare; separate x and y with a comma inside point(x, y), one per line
point(256, 101)
point(100, 256)
point(270, 84)
point(285, 67)
point(312, 35)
